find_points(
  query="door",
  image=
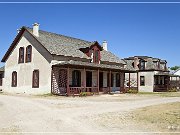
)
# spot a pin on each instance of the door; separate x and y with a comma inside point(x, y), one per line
point(88, 79)
point(101, 81)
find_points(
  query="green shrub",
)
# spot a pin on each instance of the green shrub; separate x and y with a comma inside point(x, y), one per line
point(132, 91)
point(172, 90)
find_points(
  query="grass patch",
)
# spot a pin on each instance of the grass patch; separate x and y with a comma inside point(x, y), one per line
point(162, 94)
point(165, 117)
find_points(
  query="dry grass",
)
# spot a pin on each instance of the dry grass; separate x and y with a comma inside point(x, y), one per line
point(162, 94)
point(158, 118)
point(165, 117)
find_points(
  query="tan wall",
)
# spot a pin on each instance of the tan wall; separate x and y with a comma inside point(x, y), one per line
point(25, 70)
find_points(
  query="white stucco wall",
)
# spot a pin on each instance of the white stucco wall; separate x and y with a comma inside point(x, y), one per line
point(149, 81)
point(25, 70)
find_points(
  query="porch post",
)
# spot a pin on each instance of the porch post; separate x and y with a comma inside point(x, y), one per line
point(98, 80)
point(68, 90)
point(122, 79)
point(129, 80)
point(110, 81)
point(84, 80)
point(137, 81)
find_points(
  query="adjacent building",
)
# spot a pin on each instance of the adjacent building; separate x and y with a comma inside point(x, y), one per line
point(151, 75)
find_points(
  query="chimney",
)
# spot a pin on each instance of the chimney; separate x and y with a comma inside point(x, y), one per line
point(36, 29)
point(136, 63)
point(18, 30)
point(104, 45)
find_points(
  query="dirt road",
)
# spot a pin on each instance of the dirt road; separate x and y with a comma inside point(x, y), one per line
point(29, 114)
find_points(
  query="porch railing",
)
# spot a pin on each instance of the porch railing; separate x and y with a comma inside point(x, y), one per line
point(160, 88)
point(78, 90)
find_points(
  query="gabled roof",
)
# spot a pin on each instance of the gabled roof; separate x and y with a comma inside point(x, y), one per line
point(57, 44)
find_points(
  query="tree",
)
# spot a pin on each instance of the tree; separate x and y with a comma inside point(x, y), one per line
point(175, 68)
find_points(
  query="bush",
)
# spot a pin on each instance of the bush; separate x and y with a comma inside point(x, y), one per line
point(172, 90)
point(132, 91)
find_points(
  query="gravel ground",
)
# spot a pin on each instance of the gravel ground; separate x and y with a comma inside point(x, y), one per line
point(22, 114)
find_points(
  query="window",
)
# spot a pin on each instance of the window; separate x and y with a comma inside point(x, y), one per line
point(96, 55)
point(142, 65)
point(107, 79)
point(21, 55)
point(28, 53)
point(14, 79)
point(76, 78)
point(1, 77)
point(112, 79)
point(142, 81)
point(117, 80)
point(35, 80)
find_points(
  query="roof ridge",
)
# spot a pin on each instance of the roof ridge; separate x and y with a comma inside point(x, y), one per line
point(61, 35)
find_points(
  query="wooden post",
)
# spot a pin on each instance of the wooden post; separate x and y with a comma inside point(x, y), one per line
point(129, 80)
point(98, 80)
point(84, 80)
point(137, 81)
point(110, 81)
point(120, 81)
point(68, 90)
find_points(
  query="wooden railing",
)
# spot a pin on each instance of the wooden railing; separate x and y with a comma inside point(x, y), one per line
point(160, 88)
point(78, 90)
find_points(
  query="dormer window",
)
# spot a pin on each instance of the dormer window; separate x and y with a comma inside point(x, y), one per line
point(28, 53)
point(96, 56)
point(21, 55)
point(142, 65)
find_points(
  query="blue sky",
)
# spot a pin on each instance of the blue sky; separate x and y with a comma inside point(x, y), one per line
point(130, 29)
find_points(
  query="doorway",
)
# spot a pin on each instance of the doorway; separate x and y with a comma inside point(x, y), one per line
point(88, 79)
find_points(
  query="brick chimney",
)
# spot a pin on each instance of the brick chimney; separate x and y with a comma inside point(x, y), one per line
point(136, 63)
point(104, 45)
point(36, 29)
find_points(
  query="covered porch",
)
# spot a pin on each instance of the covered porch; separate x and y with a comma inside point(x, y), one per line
point(161, 82)
point(73, 79)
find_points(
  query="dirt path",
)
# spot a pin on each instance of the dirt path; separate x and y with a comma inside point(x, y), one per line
point(72, 115)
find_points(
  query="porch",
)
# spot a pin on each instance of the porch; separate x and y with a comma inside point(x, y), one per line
point(73, 80)
point(161, 83)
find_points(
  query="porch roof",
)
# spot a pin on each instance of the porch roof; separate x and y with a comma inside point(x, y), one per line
point(92, 65)
point(163, 74)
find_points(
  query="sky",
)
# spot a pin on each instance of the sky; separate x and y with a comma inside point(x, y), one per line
point(131, 29)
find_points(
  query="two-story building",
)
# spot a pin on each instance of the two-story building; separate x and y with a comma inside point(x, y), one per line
point(40, 62)
point(1, 77)
point(151, 74)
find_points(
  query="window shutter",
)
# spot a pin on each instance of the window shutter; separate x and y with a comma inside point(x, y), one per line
point(35, 80)
point(21, 55)
point(14, 79)
point(28, 53)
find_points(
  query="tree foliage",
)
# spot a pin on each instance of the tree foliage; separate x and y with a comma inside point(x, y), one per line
point(175, 68)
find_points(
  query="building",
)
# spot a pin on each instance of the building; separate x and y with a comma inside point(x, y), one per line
point(40, 62)
point(152, 74)
point(1, 77)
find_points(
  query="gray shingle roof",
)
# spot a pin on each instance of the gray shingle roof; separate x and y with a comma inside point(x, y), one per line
point(150, 65)
point(68, 46)
point(108, 56)
point(60, 44)
point(80, 63)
